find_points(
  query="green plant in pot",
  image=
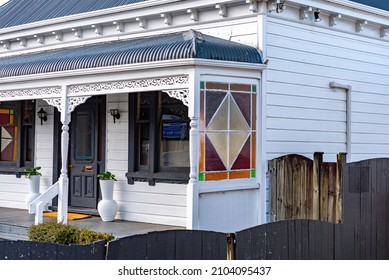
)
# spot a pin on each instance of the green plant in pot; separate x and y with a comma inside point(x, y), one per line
point(106, 176)
point(33, 175)
point(107, 206)
point(32, 171)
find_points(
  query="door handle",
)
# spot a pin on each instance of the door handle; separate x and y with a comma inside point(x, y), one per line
point(87, 168)
point(70, 167)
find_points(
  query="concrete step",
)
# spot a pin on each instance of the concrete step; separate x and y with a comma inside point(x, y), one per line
point(12, 232)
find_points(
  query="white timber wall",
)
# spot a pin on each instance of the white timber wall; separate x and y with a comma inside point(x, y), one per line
point(303, 114)
point(160, 204)
point(13, 191)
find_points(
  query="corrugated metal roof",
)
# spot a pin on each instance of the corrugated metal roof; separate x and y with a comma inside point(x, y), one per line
point(18, 12)
point(189, 44)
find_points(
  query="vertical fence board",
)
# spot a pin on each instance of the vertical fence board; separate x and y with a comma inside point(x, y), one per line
point(214, 246)
point(161, 245)
point(324, 185)
point(382, 211)
point(299, 240)
point(128, 248)
point(45, 251)
point(317, 161)
point(273, 189)
point(292, 238)
point(188, 245)
point(331, 192)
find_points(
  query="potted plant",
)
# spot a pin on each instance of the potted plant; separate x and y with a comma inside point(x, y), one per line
point(107, 207)
point(33, 175)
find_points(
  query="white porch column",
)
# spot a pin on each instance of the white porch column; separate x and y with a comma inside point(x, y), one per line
point(192, 190)
point(64, 180)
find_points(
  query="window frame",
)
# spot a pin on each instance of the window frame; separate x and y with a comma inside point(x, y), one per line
point(152, 172)
point(17, 167)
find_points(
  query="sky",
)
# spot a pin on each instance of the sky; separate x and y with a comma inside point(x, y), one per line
point(3, 1)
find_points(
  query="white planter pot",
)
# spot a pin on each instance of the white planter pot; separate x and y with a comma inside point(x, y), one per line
point(107, 207)
point(33, 186)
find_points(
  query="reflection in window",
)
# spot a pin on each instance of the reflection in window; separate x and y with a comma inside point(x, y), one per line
point(159, 138)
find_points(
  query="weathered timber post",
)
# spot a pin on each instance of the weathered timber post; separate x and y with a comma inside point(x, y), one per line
point(340, 164)
point(317, 161)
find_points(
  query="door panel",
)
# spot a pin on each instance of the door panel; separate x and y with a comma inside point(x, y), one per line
point(84, 161)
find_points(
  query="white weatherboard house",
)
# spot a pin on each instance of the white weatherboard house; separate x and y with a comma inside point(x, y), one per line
point(206, 93)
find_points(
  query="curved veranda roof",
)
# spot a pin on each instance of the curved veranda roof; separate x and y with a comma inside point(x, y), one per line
point(184, 45)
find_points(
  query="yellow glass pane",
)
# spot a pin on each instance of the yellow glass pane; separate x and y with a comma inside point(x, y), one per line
point(216, 176)
point(237, 140)
point(240, 174)
point(237, 120)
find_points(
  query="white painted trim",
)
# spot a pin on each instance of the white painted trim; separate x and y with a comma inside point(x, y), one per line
point(136, 67)
point(347, 89)
point(347, 8)
point(261, 128)
point(227, 185)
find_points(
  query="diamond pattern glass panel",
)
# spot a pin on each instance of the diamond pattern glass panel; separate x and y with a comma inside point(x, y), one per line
point(227, 136)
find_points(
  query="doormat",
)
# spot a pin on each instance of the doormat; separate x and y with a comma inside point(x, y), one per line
point(71, 216)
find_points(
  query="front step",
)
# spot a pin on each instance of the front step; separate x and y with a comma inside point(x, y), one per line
point(11, 232)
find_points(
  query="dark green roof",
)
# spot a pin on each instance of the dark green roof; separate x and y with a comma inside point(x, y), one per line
point(184, 45)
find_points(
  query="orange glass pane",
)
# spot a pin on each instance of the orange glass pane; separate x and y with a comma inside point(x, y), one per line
point(240, 87)
point(11, 119)
point(216, 176)
point(216, 86)
point(240, 174)
point(253, 150)
point(4, 111)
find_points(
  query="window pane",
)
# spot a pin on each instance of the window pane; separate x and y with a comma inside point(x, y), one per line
point(174, 133)
point(28, 144)
point(144, 143)
point(84, 136)
point(143, 106)
point(28, 112)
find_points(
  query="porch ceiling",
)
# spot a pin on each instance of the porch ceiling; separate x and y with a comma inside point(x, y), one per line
point(183, 45)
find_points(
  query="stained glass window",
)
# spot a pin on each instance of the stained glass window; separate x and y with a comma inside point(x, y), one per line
point(227, 131)
point(8, 135)
point(17, 133)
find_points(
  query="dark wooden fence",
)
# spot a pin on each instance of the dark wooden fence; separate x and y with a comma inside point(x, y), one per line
point(30, 250)
point(170, 245)
point(362, 234)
